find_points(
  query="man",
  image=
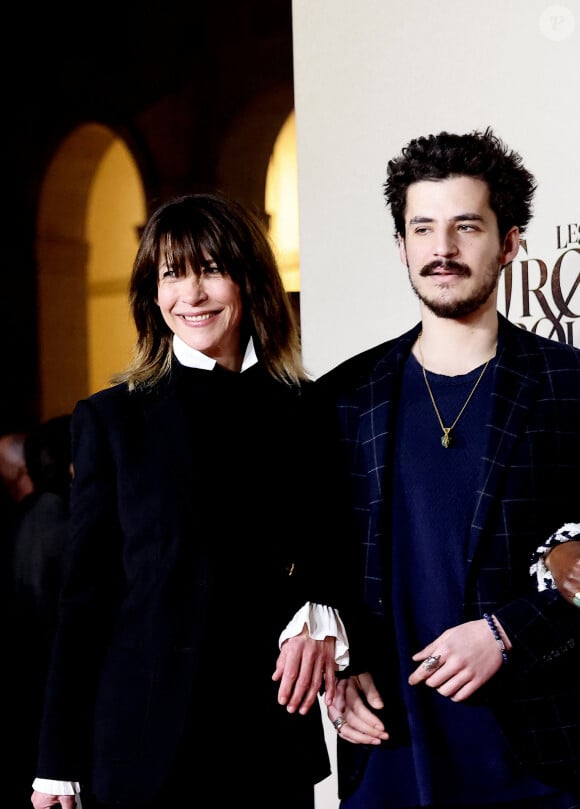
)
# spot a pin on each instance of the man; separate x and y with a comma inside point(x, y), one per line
point(15, 487)
point(15, 482)
point(462, 440)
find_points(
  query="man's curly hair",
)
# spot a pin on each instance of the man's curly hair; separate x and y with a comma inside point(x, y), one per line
point(477, 154)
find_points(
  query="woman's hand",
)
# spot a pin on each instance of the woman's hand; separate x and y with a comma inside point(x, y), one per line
point(40, 800)
point(302, 666)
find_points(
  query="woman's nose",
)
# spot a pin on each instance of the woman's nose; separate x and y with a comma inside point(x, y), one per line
point(194, 291)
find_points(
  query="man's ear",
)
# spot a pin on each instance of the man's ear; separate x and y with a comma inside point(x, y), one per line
point(511, 246)
point(402, 249)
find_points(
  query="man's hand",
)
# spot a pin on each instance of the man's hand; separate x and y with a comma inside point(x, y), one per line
point(361, 725)
point(460, 660)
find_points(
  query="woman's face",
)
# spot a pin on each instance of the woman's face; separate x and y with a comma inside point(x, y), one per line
point(204, 309)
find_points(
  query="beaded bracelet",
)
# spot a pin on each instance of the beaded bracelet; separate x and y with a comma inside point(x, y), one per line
point(497, 636)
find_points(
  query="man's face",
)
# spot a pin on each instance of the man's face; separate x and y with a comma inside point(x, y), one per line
point(452, 247)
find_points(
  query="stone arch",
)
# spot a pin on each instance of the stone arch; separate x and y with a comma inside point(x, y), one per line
point(90, 208)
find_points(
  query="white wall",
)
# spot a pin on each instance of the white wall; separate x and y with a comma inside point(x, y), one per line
point(369, 75)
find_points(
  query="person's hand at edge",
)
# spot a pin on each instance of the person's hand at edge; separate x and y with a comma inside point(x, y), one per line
point(563, 561)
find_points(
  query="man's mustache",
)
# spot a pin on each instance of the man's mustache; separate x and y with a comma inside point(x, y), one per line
point(445, 264)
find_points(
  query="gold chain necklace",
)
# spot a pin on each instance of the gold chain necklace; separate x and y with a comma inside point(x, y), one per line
point(446, 437)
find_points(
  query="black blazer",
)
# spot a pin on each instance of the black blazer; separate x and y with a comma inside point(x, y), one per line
point(196, 534)
point(531, 486)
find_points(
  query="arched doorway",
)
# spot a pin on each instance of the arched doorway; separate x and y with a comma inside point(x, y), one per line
point(282, 203)
point(91, 207)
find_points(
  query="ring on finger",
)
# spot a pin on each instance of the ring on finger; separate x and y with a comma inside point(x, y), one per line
point(431, 662)
point(338, 723)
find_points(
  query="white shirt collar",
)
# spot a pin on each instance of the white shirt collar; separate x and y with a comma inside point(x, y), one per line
point(192, 358)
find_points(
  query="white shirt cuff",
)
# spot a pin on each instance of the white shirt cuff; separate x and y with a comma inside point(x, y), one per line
point(322, 622)
point(50, 787)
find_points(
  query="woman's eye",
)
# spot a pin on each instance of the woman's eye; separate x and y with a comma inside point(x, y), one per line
point(167, 272)
point(212, 269)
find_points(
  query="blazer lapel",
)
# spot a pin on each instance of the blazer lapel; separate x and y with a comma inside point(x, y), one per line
point(379, 401)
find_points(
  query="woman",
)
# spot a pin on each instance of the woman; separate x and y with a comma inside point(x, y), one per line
point(204, 515)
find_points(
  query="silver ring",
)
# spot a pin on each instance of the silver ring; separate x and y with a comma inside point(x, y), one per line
point(338, 723)
point(431, 663)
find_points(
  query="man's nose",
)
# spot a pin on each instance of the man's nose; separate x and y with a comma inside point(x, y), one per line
point(445, 244)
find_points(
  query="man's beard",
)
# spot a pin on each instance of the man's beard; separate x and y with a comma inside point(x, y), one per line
point(459, 308)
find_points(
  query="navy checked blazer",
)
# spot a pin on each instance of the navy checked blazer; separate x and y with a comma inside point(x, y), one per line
point(530, 486)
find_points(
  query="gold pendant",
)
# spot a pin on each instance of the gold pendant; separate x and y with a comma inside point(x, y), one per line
point(446, 438)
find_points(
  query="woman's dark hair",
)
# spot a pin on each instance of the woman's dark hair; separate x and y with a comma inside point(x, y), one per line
point(179, 232)
point(477, 154)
